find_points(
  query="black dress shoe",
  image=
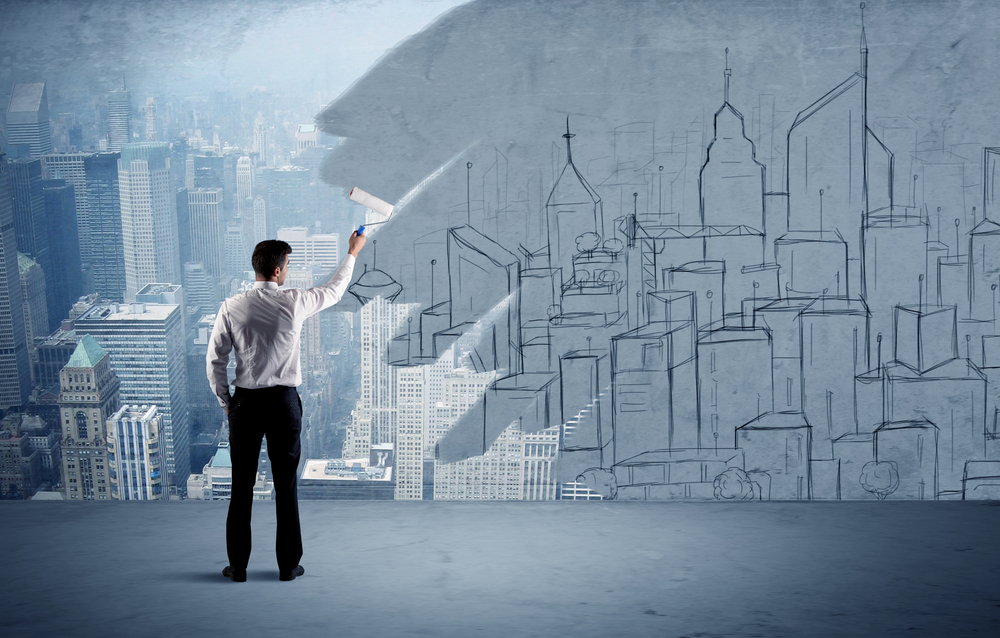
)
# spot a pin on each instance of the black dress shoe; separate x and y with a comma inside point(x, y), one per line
point(235, 575)
point(298, 571)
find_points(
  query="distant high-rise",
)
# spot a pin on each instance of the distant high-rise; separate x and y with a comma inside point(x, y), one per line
point(64, 278)
point(149, 217)
point(29, 134)
point(244, 187)
point(89, 395)
point(119, 119)
point(146, 344)
point(201, 290)
point(104, 211)
point(30, 225)
point(237, 255)
point(15, 371)
point(70, 167)
point(411, 387)
point(205, 221)
point(260, 139)
point(318, 251)
point(289, 197)
point(36, 317)
point(135, 451)
point(150, 120)
point(259, 219)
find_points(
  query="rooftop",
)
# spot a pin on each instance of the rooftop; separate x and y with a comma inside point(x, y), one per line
point(494, 570)
point(87, 354)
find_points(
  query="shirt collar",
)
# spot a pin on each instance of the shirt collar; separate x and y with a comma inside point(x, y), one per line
point(266, 285)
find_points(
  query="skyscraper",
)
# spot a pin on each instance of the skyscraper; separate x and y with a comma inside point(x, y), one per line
point(237, 254)
point(205, 221)
point(70, 167)
point(135, 452)
point(260, 139)
point(15, 371)
point(30, 224)
point(244, 186)
point(29, 134)
point(64, 278)
point(318, 251)
point(411, 385)
point(104, 211)
point(146, 344)
point(150, 119)
point(89, 395)
point(36, 316)
point(149, 216)
point(201, 290)
point(119, 119)
point(259, 219)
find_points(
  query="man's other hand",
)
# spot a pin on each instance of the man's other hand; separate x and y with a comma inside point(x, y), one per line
point(355, 244)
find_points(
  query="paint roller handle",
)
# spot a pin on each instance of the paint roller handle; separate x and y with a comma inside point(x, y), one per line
point(356, 243)
point(361, 230)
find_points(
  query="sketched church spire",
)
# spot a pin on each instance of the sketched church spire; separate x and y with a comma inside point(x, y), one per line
point(573, 209)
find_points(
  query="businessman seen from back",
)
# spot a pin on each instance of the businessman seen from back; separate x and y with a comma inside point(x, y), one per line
point(262, 327)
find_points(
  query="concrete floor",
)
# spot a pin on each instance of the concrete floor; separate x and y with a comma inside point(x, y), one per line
point(445, 569)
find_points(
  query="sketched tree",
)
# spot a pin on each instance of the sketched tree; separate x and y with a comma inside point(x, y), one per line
point(734, 485)
point(588, 242)
point(602, 481)
point(881, 478)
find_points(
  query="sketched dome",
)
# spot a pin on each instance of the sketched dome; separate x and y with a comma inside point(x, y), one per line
point(375, 283)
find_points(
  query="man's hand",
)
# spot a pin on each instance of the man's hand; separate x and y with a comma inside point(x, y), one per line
point(355, 244)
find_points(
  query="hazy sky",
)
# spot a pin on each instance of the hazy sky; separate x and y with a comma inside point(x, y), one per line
point(179, 45)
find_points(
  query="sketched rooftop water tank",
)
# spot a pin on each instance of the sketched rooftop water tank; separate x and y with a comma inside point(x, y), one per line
point(375, 283)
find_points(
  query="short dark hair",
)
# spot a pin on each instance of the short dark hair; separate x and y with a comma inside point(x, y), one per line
point(268, 255)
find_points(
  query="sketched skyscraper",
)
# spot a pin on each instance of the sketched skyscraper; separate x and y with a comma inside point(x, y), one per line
point(29, 133)
point(15, 373)
point(119, 118)
point(149, 217)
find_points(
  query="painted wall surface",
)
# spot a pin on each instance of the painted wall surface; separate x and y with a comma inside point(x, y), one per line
point(701, 245)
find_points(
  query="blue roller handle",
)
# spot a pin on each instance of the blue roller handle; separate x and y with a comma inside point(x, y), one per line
point(361, 230)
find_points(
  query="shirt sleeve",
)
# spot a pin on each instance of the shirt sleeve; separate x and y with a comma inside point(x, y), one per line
point(217, 358)
point(322, 297)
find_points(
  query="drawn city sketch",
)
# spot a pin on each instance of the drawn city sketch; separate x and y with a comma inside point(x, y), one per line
point(789, 294)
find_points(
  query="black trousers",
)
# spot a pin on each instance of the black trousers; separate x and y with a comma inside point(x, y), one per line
point(276, 413)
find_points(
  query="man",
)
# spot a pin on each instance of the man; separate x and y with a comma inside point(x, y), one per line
point(262, 326)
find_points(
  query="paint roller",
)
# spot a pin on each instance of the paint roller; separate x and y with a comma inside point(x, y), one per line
point(373, 204)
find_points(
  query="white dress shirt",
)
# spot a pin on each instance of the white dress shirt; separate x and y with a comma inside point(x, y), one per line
point(262, 326)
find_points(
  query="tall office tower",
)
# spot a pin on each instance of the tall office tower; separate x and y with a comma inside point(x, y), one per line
point(183, 225)
point(149, 216)
point(244, 185)
point(70, 167)
point(119, 119)
point(374, 416)
point(306, 136)
point(289, 198)
point(36, 314)
point(89, 395)
point(259, 219)
point(411, 385)
point(201, 290)
point(237, 254)
point(189, 172)
point(310, 344)
point(146, 344)
point(260, 139)
point(29, 134)
point(30, 224)
point(150, 119)
point(104, 226)
point(205, 221)
point(64, 278)
point(135, 453)
point(15, 370)
point(318, 251)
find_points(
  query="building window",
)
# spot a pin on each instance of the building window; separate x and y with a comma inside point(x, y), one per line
point(81, 425)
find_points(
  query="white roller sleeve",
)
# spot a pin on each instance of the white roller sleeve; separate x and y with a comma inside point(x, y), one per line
point(371, 202)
